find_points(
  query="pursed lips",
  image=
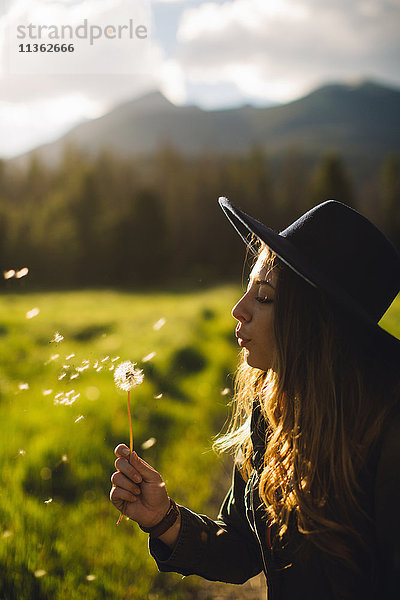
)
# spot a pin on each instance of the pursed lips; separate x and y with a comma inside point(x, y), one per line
point(241, 337)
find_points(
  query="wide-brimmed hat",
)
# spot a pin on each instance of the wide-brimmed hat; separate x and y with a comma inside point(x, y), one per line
point(336, 249)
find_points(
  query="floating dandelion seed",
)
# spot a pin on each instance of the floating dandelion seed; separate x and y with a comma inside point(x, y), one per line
point(160, 323)
point(91, 577)
point(21, 452)
point(8, 274)
point(127, 377)
point(158, 397)
point(6, 534)
point(74, 376)
point(115, 358)
point(149, 443)
point(66, 399)
point(64, 458)
point(148, 357)
point(79, 419)
point(23, 386)
point(32, 313)
point(105, 359)
point(22, 273)
point(49, 501)
point(40, 573)
point(47, 392)
point(100, 368)
point(111, 368)
point(57, 338)
point(225, 391)
point(69, 356)
point(61, 376)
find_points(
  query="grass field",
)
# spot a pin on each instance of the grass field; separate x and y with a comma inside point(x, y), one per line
point(61, 416)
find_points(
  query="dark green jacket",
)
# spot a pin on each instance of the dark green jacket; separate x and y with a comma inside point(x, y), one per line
point(239, 544)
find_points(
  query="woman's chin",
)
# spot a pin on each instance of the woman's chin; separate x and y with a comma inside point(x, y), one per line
point(256, 364)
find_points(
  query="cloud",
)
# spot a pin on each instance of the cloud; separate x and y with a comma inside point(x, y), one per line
point(282, 48)
point(36, 108)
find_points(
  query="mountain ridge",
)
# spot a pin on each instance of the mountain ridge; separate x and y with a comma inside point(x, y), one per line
point(361, 122)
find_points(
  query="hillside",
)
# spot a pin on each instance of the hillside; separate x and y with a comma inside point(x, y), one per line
point(361, 122)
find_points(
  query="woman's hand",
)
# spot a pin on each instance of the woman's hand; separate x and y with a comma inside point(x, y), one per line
point(138, 490)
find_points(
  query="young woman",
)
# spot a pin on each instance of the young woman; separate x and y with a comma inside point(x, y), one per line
point(315, 495)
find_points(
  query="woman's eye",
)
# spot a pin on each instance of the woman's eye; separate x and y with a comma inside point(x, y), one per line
point(262, 294)
point(262, 300)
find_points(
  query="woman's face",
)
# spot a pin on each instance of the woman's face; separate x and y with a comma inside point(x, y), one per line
point(255, 315)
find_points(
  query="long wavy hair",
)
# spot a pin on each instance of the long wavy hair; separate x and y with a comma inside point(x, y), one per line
point(324, 402)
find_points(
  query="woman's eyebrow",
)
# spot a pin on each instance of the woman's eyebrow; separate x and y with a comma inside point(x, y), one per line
point(264, 282)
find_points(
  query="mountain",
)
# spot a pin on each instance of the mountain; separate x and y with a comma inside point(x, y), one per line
point(361, 122)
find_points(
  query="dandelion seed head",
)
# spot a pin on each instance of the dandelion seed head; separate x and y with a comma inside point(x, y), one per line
point(32, 313)
point(160, 323)
point(148, 357)
point(22, 273)
point(126, 376)
point(8, 274)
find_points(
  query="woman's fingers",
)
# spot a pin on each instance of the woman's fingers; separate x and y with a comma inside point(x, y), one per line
point(119, 480)
point(118, 497)
point(134, 467)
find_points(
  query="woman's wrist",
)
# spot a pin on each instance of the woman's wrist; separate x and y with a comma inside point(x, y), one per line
point(165, 523)
point(170, 537)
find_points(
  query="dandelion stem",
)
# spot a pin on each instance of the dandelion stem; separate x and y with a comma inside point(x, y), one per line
point(131, 444)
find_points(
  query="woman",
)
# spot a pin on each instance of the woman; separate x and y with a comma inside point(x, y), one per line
point(316, 430)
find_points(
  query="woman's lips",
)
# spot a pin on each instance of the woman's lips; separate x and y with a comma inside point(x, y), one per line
point(242, 341)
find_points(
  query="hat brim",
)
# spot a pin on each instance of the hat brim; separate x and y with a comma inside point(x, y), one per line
point(371, 331)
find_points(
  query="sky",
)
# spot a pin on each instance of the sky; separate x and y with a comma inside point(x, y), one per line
point(215, 54)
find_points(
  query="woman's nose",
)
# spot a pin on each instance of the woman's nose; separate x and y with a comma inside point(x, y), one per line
point(241, 311)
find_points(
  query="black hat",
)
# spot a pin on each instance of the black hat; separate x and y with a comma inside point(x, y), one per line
point(337, 250)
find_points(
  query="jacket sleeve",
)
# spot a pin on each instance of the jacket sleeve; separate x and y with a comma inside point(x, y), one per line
point(387, 502)
point(222, 550)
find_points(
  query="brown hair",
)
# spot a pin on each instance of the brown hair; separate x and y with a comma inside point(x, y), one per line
point(324, 401)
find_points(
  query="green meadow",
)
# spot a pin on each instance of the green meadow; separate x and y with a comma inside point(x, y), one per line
point(61, 417)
